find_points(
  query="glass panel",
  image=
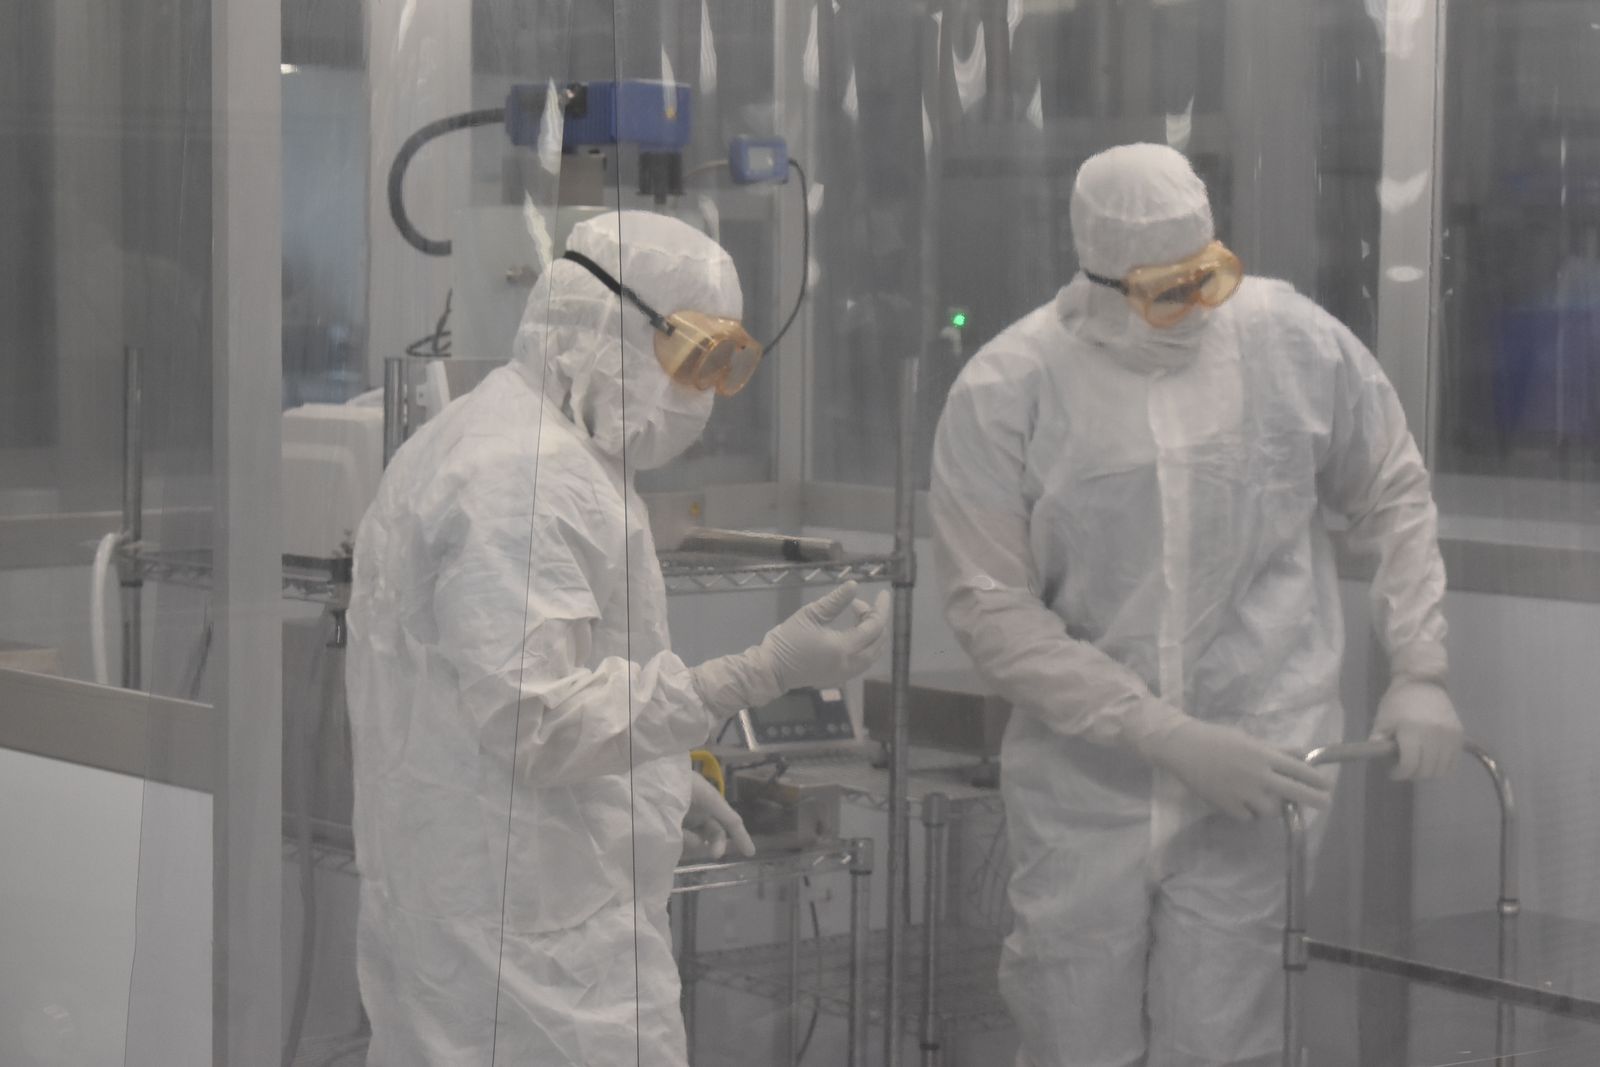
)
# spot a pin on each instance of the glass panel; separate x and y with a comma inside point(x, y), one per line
point(1515, 438)
point(162, 240)
point(1519, 400)
point(106, 188)
point(1279, 110)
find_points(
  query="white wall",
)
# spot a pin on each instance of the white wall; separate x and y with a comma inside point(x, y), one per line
point(1526, 677)
point(105, 918)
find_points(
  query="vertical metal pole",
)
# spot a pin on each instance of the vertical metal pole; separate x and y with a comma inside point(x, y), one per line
point(689, 912)
point(860, 924)
point(900, 694)
point(905, 549)
point(791, 1024)
point(394, 406)
point(1294, 933)
point(132, 586)
point(1510, 903)
point(936, 834)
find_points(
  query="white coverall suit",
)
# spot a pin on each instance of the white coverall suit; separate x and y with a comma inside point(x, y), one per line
point(521, 727)
point(1128, 527)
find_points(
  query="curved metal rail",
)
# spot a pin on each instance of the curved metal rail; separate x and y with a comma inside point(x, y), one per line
point(1296, 953)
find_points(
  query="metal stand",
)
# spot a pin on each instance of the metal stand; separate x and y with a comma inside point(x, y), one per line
point(854, 856)
point(936, 830)
point(1298, 948)
point(900, 694)
point(129, 578)
point(689, 933)
point(791, 1017)
point(394, 406)
point(860, 917)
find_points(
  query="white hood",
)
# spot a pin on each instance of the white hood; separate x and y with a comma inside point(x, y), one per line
point(1135, 206)
point(595, 355)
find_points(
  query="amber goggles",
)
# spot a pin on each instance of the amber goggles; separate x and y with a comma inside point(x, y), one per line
point(1164, 295)
point(698, 351)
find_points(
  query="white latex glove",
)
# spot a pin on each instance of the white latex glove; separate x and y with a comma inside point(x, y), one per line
point(824, 644)
point(711, 823)
point(1423, 722)
point(1240, 776)
point(808, 649)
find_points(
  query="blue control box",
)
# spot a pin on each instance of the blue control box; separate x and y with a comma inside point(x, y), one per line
point(652, 115)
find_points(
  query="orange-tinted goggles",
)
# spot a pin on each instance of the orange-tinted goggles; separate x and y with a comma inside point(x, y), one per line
point(698, 351)
point(1164, 295)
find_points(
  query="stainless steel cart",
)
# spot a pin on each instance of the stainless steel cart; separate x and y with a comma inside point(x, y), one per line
point(854, 856)
point(1501, 954)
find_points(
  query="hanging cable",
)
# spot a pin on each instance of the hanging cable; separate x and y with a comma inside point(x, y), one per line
point(805, 256)
point(402, 159)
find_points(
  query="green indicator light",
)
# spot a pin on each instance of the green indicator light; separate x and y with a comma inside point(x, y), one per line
point(959, 319)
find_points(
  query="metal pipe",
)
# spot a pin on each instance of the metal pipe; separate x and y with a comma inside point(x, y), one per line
point(936, 835)
point(1505, 1034)
point(132, 586)
point(689, 914)
point(394, 406)
point(1509, 905)
point(791, 1042)
point(900, 695)
point(860, 922)
point(132, 633)
point(132, 443)
point(1294, 932)
point(1510, 897)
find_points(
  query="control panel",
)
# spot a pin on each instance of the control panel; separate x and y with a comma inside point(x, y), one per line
point(799, 717)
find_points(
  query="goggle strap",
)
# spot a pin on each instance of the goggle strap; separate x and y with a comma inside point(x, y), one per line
point(1109, 283)
point(657, 320)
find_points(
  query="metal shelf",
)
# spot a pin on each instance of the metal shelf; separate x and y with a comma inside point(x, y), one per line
point(968, 993)
point(312, 580)
point(828, 858)
point(304, 578)
point(930, 770)
point(687, 572)
point(831, 857)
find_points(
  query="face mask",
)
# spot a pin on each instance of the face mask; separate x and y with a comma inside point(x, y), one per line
point(676, 422)
point(642, 417)
point(1125, 336)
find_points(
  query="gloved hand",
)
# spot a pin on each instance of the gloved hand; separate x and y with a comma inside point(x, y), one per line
point(805, 649)
point(1240, 776)
point(711, 823)
point(1423, 722)
point(825, 643)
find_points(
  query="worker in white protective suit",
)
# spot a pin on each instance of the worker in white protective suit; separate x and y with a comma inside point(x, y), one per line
point(1128, 489)
point(521, 726)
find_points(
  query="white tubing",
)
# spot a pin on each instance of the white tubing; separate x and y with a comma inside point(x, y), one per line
point(97, 606)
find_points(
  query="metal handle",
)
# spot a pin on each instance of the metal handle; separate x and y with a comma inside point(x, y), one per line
point(1295, 954)
point(1388, 748)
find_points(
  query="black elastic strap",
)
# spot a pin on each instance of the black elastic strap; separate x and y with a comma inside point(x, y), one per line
point(656, 318)
point(1109, 283)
